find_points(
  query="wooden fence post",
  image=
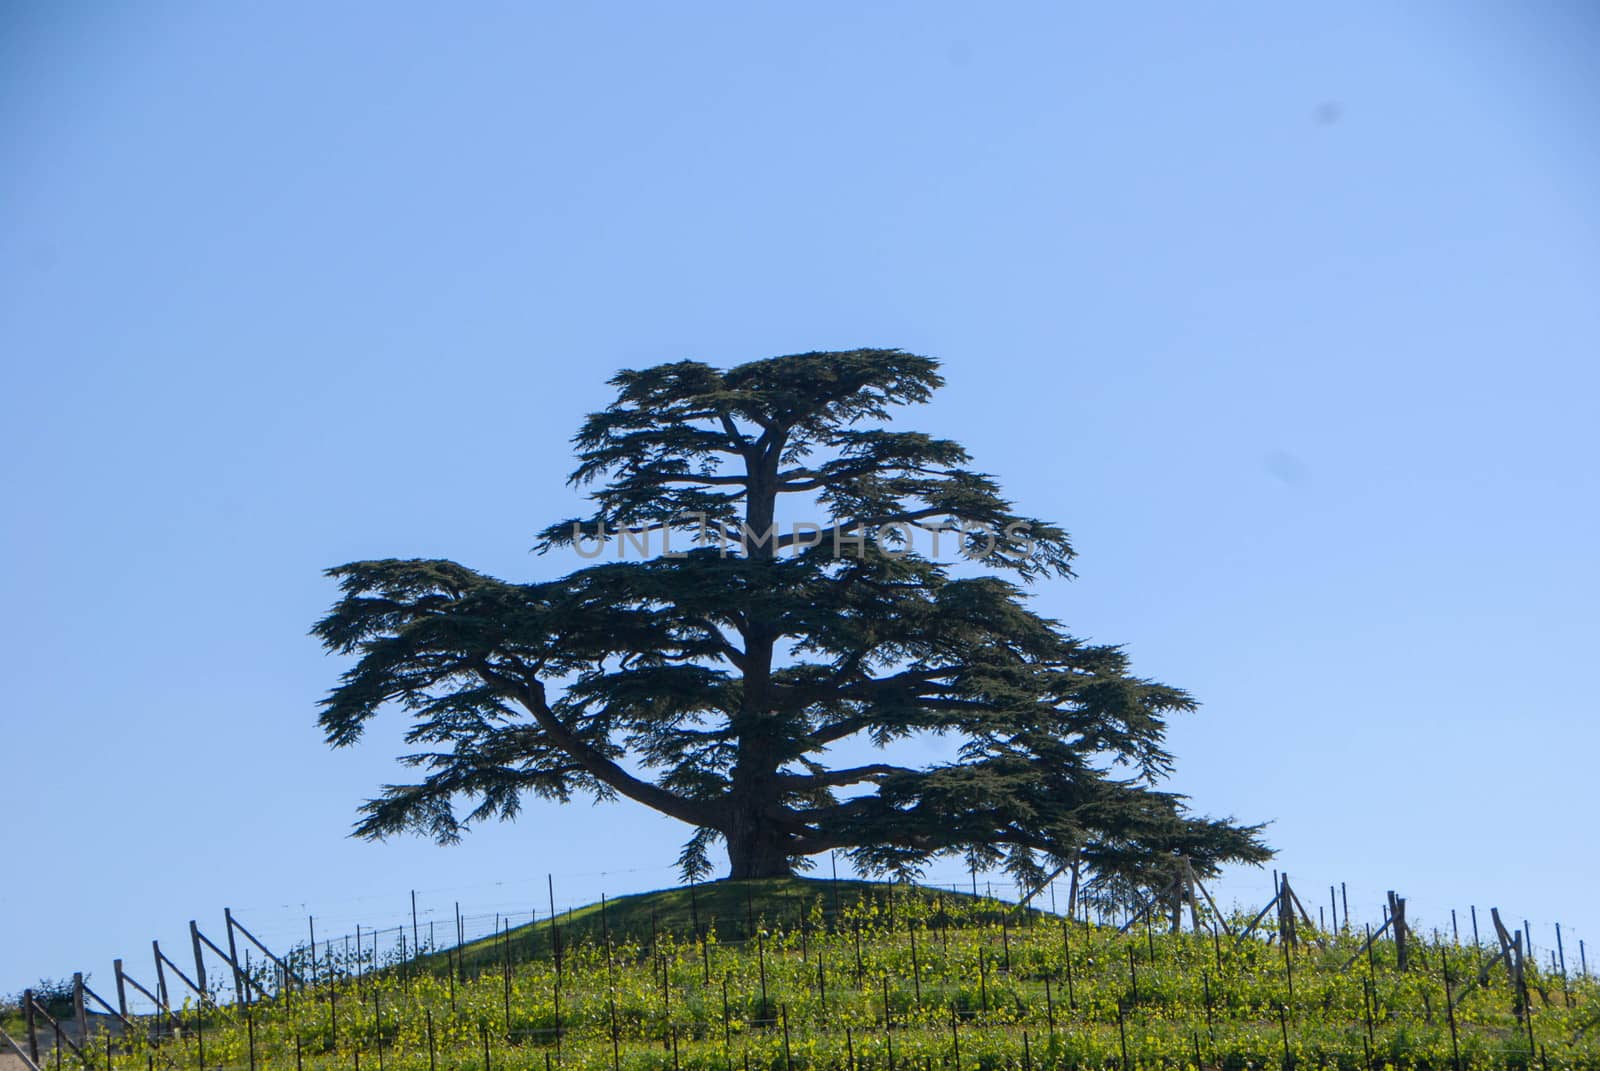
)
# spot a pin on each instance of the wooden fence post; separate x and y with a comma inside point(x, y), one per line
point(241, 978)
point(1524, 1006)
point(239, 993)
point(1561, 951)
point(122, 988)
point(1285, 913)
point(199, 960)
point(33, 1026)
point(1397, 914)
point(78, 1011)
point(161, 978)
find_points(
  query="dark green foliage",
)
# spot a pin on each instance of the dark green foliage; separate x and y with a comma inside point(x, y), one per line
point(711, 684)
point(54, 995)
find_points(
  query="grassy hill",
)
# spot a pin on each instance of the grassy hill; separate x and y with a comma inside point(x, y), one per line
point(805, 975)
point(732, 910)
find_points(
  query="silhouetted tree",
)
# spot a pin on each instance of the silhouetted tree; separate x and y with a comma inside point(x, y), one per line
point(718, 680)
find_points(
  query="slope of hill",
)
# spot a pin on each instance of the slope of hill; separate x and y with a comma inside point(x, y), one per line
point(797, 976)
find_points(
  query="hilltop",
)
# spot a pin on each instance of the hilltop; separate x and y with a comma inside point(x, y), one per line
point(799, 975)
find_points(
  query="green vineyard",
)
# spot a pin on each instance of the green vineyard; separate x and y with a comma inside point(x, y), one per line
point(806, 975)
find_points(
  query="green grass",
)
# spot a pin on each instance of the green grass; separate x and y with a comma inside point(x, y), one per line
point(736, 909)
point(916, 979)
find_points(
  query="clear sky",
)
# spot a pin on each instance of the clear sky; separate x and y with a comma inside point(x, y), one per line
point(1290, 314)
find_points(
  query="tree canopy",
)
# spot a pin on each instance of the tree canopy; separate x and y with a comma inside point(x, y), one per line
point(796, 619)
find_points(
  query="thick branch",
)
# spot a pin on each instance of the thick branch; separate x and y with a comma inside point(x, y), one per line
point(602, 768)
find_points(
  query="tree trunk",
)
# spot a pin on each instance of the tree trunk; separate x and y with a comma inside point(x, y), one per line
point(757, 852)
point(755, 848)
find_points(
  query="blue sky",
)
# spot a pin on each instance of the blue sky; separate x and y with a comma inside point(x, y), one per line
point(1288, 315)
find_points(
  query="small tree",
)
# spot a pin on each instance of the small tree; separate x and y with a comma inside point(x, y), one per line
point(718, 679)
